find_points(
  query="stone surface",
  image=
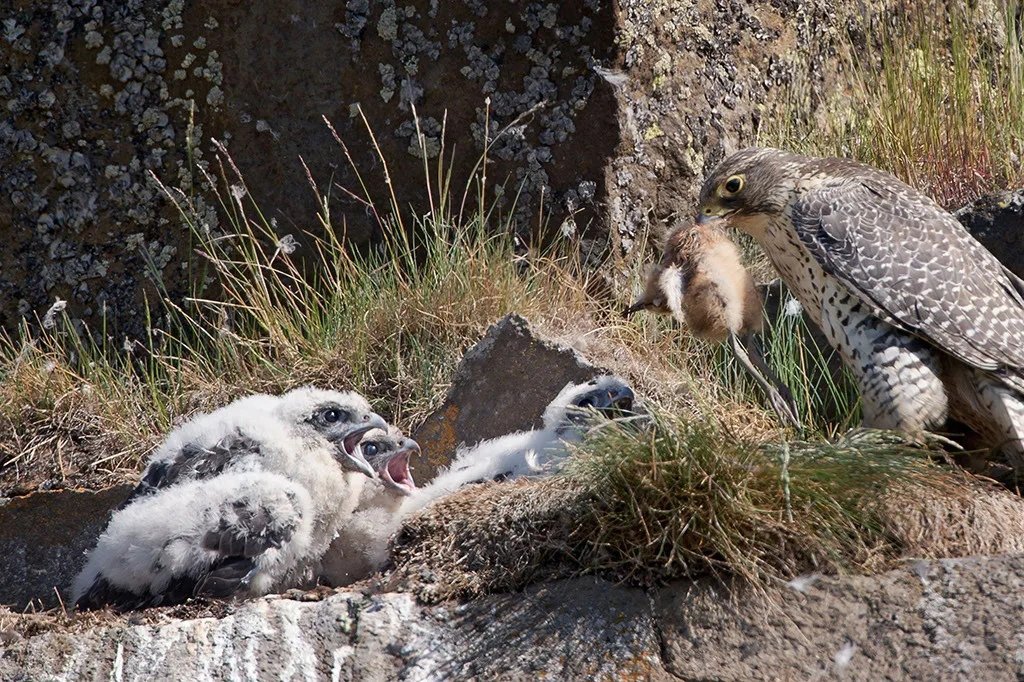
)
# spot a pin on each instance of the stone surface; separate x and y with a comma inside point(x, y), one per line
point(950, 620)
point(571, 630)
point(600, 118)
point(502, 385)
point(43, 540)
point(997, 221)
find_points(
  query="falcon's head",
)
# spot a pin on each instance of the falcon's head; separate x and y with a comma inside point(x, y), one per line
point(608, 396)
point(388, 453)
point(750, 184)
point(341, 418)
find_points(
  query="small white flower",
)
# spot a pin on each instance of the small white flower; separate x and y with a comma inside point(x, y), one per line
point(49, 366)
point(50, 318)
point(792, 307)
point(238, 191)
point(287, 244)
point(129, 345)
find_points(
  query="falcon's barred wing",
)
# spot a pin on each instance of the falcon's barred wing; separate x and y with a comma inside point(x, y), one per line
point(901, 253)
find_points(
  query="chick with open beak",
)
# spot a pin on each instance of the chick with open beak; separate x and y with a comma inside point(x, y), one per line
point(360, 549)
point(389, 456)
point(348, 440)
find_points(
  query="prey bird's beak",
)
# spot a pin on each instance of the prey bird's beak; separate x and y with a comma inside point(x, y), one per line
point(639, 305)
point(614, 399)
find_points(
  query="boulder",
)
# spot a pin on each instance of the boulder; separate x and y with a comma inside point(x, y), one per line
point(502, 385)
point(953, 619)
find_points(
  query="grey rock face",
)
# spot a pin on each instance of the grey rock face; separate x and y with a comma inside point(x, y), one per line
point(581, 629)
point(502, 385)
point(930, 620)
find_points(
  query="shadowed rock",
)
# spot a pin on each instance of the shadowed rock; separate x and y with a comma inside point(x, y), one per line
point(43, 540)
point(997, 221)
point(502, 385)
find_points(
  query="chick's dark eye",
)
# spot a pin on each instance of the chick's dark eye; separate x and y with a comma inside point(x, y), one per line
point(370, 449)
point(586, 402)
point(332, 415)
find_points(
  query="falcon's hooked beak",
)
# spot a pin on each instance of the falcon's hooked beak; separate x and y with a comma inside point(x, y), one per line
point(394, 471)
point(351, 457)
point(712, 210)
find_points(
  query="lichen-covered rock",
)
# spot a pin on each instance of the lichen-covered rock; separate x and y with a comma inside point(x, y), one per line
point(599, 119)
point(573, 630)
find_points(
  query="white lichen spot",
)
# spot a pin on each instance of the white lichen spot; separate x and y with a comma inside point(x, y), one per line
point(238, 192)
point(215, 96)
point(93, 39)
point(12, 31)
point(50, 318)
point(287, 244)
point(387, 25)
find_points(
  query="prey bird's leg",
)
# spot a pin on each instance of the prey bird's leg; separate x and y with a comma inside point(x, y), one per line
point(748, 352)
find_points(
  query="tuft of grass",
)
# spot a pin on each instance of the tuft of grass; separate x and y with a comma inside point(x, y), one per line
point(685, 499)
point(941, 105)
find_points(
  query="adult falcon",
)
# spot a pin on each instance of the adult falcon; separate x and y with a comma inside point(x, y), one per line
point(930, 322)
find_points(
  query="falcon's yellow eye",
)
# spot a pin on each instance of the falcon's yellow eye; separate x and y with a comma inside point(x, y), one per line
point(732, 186)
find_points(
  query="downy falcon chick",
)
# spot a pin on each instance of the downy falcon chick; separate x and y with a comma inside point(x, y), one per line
point(928, 320)
point(360, 549)
point(240, 501)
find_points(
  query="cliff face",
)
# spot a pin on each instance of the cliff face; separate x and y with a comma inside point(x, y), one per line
point(600, 119)
point(930, 620)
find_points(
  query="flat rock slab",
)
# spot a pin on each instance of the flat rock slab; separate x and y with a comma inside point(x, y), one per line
point(43, 540)
point(578, 629)
point(949, 620)
point(502, 385)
